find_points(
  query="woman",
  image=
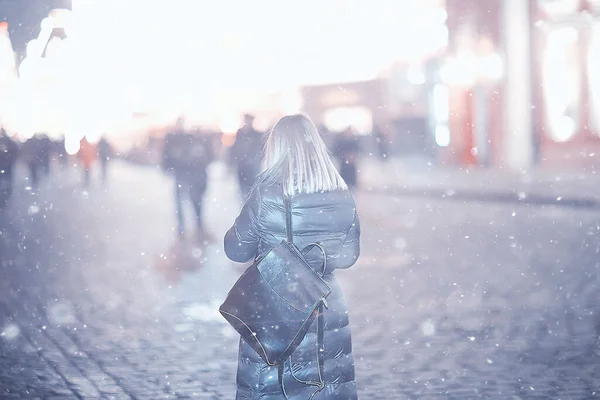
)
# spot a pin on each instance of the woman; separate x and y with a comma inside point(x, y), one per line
point(298, 165)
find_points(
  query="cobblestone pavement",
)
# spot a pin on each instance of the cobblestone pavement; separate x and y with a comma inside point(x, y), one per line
point(449, 300)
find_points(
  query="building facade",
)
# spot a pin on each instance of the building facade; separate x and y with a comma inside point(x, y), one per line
point(523, 83)
point(566, 65)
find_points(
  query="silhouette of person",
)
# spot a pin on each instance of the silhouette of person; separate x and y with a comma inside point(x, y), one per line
point(245, 154)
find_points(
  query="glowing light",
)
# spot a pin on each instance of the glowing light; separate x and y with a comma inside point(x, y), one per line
point(61, 18)
point(291, 102)
point(230, 125)
point(93, 137)
point(358, 118)
point(415, 76)
point(263, 122)
point(28, 134)
point(442, 135)
point(559, 8)
point(440, 16)
point(564, 128)
point(562, 83)
point(96, 60)
point(428, 328)
point(491, 66)
point(72, 145)
point(47, 25)
point(468, 68)
point(593, 67)
point(460, 71)
point(10, 332)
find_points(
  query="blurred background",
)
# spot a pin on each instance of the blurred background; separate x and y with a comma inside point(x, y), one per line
point(457, 82)
point(468, 130)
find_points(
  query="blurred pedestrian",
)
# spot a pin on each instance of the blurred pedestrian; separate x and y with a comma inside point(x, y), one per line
point(246, 153)
point(45, 149)
point(187, 156)
point(383, 143)
point(327, 136)
point(298, 165)
point(9, 152)
point(346, 149)
point(31, 154)
point(104, 156)
point(61, 151)
point(87, 155)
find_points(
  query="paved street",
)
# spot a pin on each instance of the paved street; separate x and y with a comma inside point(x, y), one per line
point(450, 299)
point(417, 177)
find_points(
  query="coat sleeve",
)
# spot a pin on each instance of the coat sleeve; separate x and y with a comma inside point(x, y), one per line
point(351, 247)
point(241, 241)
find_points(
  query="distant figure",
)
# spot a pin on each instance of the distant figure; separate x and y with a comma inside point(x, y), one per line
point(104, 155)
point(246, 155)
point(32, 154)
point(87, 155)
point(45, 153)
point(346, 149)
point(327, 136)
point(187, 156)
point(382, 142)
point(9, 151)
point(61, 151)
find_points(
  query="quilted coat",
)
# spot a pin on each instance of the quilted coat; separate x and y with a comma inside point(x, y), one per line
point(329, 218)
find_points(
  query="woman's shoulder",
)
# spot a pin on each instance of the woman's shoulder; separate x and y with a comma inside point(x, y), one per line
point(266, 189)
point(329, 199)
point(268, 192)
point(264, 193)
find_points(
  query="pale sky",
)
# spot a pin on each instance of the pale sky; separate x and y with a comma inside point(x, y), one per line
point(276, 43)
point(219, 58)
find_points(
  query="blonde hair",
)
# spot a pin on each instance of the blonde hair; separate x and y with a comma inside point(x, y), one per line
point(296, 156)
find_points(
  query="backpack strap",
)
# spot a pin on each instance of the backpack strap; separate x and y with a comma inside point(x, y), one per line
point(320, 320)
point(288, 219)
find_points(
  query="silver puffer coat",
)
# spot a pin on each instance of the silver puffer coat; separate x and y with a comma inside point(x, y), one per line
point(329, 218)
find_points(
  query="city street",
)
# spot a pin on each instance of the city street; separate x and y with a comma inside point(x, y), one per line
point(450, 299)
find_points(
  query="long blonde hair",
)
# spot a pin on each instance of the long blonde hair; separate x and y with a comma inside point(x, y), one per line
point(297, 157)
